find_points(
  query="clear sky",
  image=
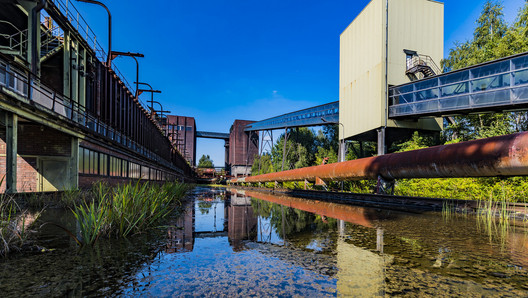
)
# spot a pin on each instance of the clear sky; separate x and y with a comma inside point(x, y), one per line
point(221, 60)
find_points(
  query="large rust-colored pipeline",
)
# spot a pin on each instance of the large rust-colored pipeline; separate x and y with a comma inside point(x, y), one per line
point(497, 156)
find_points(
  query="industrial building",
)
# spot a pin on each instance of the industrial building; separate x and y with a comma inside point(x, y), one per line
point(389, 43)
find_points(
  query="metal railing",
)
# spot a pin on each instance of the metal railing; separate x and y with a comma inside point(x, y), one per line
point(16, 41)
point(501, 83)
point(31, 91)
point(422, 61)
point(75, 18)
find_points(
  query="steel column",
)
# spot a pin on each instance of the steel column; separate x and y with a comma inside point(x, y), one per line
point(11, 121)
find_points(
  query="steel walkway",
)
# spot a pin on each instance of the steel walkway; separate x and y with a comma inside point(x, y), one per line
point(497, 85)
point(314, 116)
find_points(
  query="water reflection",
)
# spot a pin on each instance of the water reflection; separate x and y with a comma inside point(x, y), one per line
point(243, 243)
point(410, 250)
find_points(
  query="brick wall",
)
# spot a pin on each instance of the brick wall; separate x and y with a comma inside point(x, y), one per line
point(240, 152)
point(33, 141)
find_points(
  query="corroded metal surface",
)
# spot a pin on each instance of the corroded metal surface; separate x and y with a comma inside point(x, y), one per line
point(497, 156)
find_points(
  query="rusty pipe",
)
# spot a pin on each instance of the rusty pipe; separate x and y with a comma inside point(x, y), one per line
point(497, 156)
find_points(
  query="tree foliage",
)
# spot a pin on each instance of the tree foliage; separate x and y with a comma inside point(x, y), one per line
point(205, 162)
point(492, 39)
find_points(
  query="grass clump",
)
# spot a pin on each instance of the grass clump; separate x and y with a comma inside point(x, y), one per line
point(126, 209)
point(15, 225)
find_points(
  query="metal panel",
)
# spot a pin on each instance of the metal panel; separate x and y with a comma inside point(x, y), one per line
point(308, 117)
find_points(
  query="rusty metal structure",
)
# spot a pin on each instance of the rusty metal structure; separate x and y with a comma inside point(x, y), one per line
point(497, 156)
point(68, 116)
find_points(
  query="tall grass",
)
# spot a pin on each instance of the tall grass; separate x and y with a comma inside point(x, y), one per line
point(15, 224)
point(126, 209)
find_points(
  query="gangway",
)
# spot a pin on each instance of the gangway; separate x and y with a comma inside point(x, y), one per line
point(319, 115)
point(498, 85)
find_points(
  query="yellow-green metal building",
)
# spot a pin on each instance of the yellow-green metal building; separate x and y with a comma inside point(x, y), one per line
point(375, 51)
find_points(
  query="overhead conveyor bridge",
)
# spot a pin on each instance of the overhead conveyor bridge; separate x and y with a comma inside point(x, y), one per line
point(498, 85)
point(319, 115)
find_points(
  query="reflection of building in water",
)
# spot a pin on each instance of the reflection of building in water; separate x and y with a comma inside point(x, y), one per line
point(180, 233)
point(361, 272)
point(242, 222)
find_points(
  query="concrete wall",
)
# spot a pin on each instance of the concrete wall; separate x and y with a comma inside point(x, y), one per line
point(413, 25)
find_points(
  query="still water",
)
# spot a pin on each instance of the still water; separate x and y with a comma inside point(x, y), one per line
point(242, 243)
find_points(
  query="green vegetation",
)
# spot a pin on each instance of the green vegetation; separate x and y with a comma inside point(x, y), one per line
point(126, 209)
point(15, 224)
point(205, 162)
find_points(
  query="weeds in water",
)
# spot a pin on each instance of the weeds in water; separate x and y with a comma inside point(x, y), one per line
point(126, 209)
point(15, 225)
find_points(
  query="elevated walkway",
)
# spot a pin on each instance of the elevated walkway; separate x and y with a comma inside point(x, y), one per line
point(319, 115)
point(212, 135)
point(498, 85)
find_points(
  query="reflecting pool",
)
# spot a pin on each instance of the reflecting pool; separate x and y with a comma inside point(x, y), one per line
point(232, 242)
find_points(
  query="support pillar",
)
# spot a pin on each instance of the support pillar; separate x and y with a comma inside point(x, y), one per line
point(381, 141)
point(74, 163)
point(11, 121)
point(284, 147)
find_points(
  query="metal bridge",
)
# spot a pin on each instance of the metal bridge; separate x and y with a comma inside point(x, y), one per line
point(212, 135)
point(497, 85)
point(314, 116)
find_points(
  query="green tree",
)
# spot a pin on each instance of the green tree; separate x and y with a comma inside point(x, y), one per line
point(492, 39)
point(265, 164)
point(205, 162)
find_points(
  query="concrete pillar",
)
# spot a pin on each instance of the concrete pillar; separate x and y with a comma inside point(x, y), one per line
point(381, 141)
point(11, 121)
point(379, 240)
point(74, 163)
point(341, 227)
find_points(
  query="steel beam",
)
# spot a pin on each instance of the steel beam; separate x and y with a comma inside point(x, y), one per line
point(11, 121)
point(497, 156)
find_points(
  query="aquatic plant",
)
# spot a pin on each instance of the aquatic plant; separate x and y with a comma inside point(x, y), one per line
point(126, 209)
point(15, 224)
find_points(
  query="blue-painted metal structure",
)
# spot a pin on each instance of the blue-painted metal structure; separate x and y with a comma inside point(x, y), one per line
point(492, 86)
point(212, 135)
point(319, 115)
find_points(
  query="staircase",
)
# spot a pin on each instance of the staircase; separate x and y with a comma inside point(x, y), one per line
point(51, 39)
point(16, 44)
point(420, 67)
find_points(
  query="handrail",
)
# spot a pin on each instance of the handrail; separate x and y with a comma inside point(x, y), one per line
point(423, 60)
point(51, 101)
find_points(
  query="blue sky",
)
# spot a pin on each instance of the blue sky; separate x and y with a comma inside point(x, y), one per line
point(219, 61)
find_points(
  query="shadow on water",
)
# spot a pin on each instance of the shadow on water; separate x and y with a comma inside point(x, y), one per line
point(239, 243)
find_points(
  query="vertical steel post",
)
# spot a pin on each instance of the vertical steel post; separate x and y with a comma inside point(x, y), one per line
point(11, 121)
point(284, 147)
point(74, 163)
point(381, 141)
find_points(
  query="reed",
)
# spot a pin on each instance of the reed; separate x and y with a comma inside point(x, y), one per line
point(126, 209)
point(15, 224)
